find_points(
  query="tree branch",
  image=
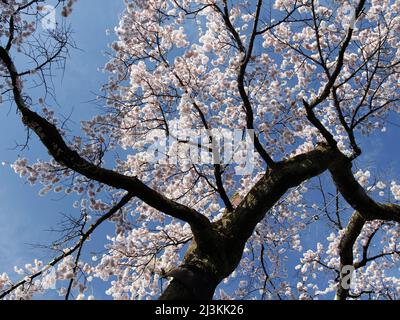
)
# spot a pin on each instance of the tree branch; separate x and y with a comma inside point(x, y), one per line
point(77, 246)
point(64, 155)
point(346, 245)
point(272, 186)
point(242, 73)
point(357, 197)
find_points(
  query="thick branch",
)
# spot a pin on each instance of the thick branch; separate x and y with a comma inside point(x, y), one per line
point(346, 245)
point(357, 197)
point(366, 209)
point(272, 186)
point(64, 155)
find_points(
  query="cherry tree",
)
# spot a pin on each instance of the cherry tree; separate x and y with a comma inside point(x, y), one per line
point(307, 80)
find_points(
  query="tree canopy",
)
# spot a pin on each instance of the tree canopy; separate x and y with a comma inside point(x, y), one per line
point(230, 132)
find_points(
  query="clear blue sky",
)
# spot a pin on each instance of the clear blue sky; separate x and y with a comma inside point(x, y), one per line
point(24, 216)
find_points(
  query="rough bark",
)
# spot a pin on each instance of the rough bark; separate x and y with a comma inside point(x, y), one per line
point(366, 209)
point(346, 246)
point(357, 197)
point(205, 266)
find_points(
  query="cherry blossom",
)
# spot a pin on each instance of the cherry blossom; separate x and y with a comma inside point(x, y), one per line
point(313, 80)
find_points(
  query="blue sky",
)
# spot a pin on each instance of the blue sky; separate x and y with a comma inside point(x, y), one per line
point(24, 216)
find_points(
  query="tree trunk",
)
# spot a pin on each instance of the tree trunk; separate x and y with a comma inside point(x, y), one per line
point(217, 250)
point(204, 266)
point(190, 284)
